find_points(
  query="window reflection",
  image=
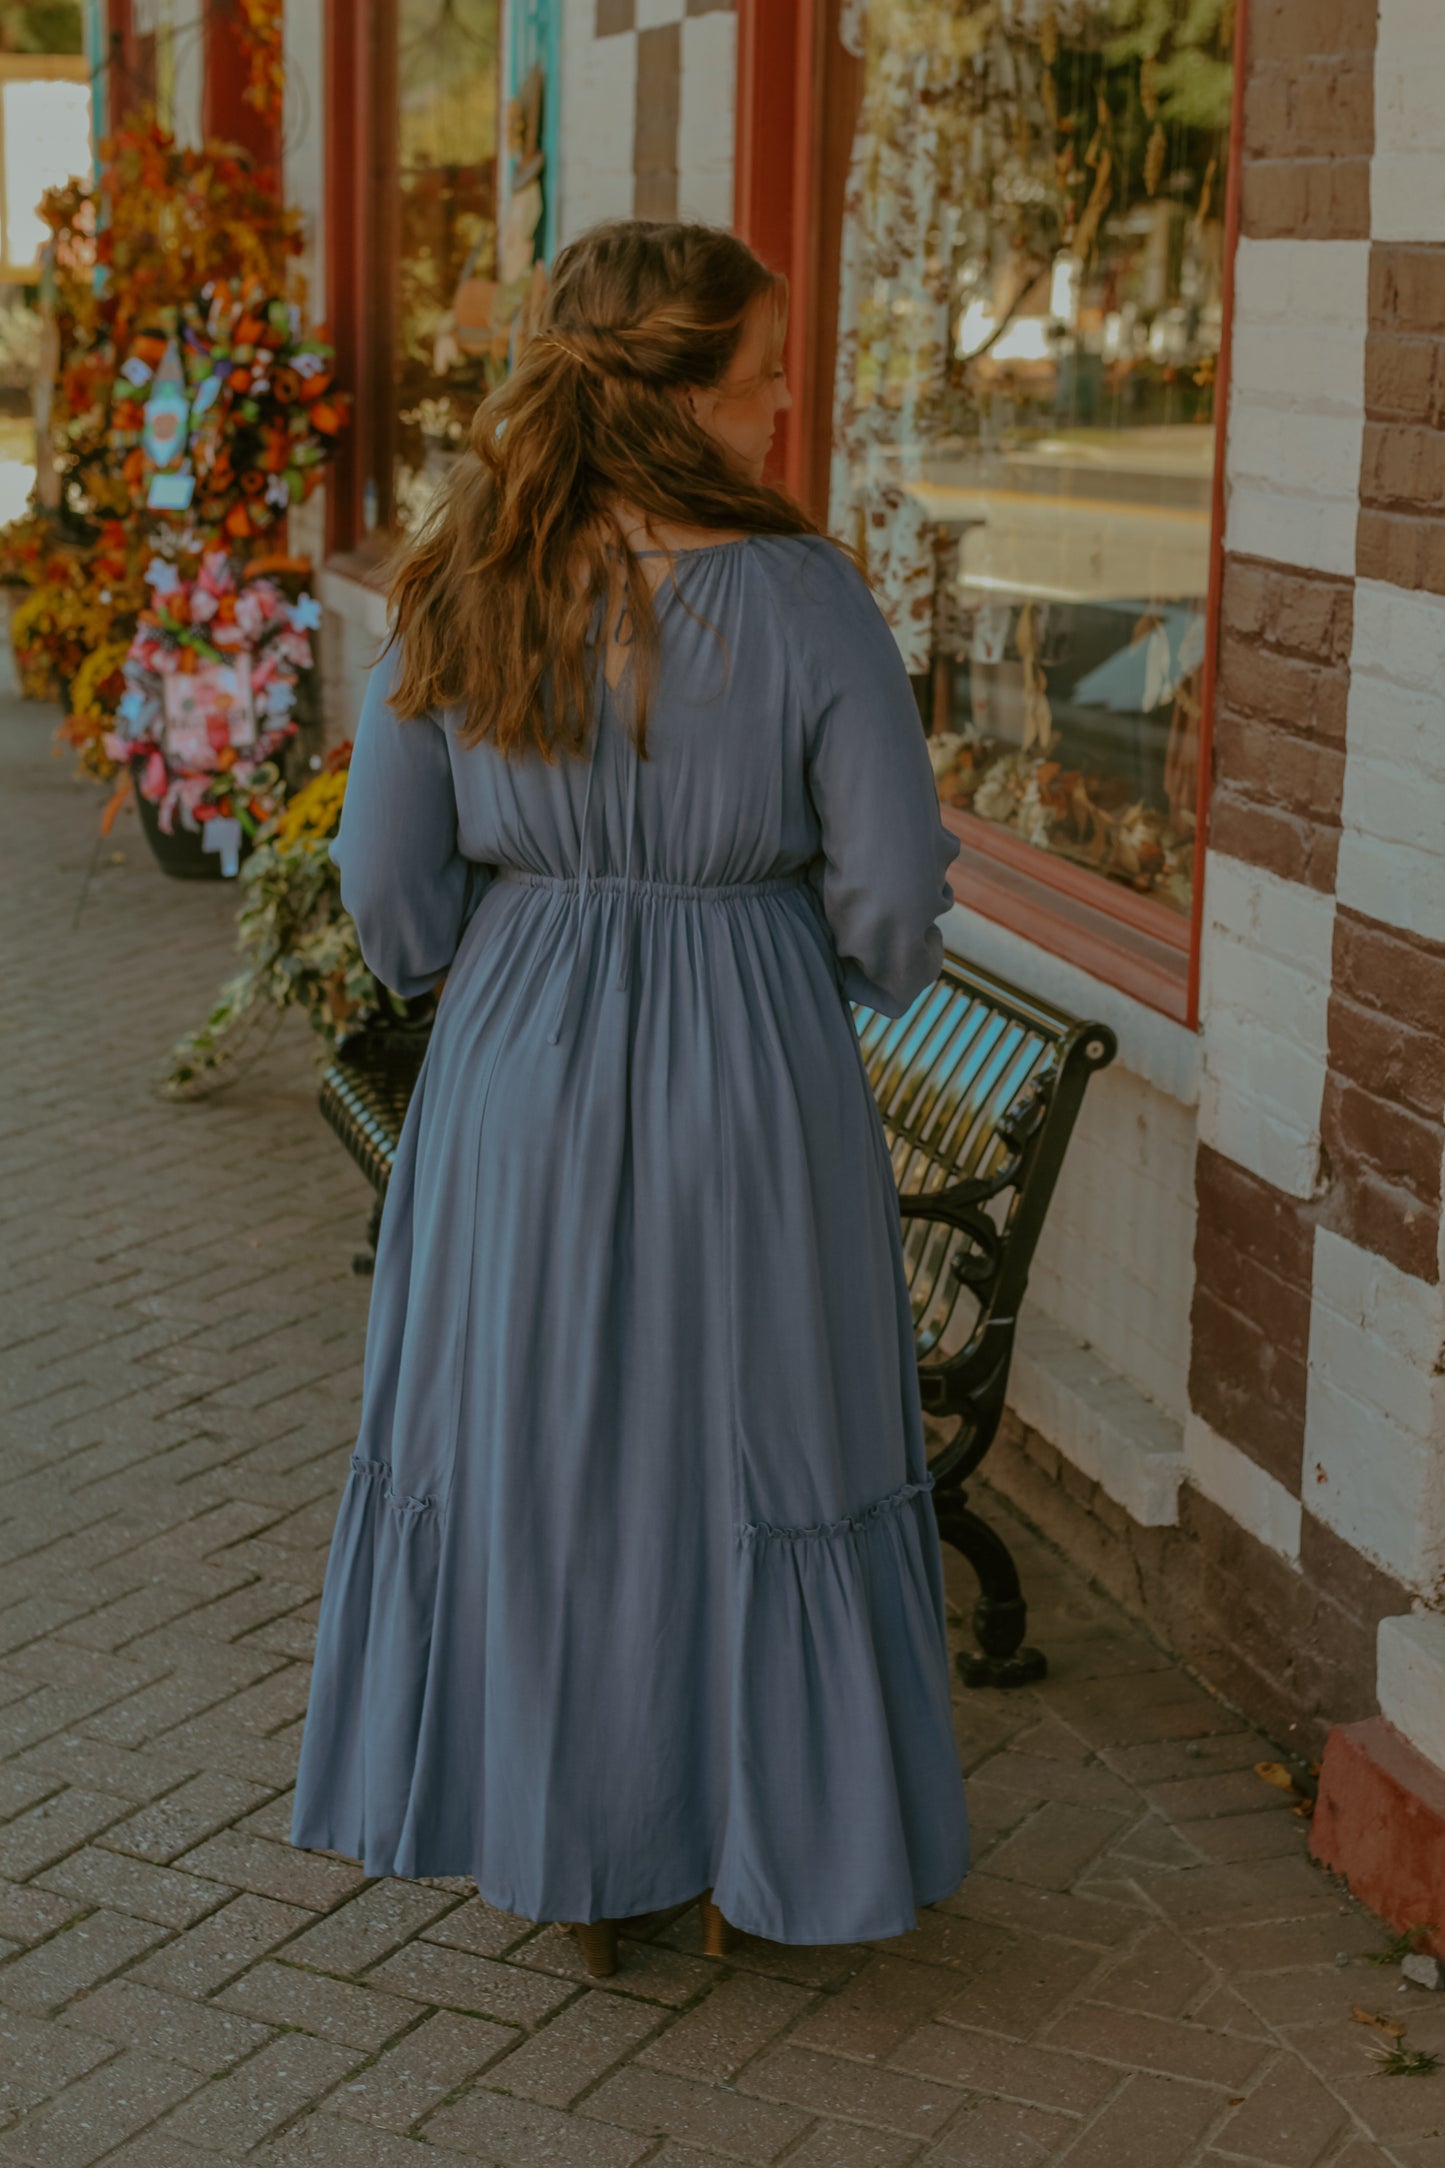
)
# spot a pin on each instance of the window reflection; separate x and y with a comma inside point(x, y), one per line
point(446, 253)
point(44, 140)
point(1030, 315)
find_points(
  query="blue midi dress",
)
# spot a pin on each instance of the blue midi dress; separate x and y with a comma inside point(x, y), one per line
point(635, 1586)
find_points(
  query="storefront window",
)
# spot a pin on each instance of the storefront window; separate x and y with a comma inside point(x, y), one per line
point(1030, 312)
point(438, 257)
point(443, 229)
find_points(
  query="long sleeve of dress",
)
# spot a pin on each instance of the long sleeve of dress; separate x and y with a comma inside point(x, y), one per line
point(885, 850)
point(403, 879)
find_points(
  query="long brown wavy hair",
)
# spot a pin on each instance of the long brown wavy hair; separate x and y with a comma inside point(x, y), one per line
point(494, 599)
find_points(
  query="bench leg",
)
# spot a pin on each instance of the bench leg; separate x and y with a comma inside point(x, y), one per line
point(1001, 1614)
point(364, 1261)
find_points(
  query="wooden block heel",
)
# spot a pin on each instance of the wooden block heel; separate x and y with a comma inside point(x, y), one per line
point(598, 1939)
point(718, 1934)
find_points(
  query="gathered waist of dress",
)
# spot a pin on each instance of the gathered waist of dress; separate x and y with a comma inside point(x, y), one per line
point(639, 885)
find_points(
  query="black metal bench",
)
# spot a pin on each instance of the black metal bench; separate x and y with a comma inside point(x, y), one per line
point(979, 1086)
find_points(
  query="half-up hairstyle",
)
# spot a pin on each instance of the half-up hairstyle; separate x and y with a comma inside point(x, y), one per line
point(494, 599)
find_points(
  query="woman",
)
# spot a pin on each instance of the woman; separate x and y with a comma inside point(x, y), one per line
point(636, 1589)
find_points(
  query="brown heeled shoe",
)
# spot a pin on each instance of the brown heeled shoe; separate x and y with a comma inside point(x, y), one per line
point(598, 1939)
point(718, 1934)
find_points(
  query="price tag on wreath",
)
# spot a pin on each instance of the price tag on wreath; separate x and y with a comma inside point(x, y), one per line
point(224, 836)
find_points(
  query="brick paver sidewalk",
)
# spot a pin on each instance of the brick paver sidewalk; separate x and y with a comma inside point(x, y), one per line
point(1144, 1968)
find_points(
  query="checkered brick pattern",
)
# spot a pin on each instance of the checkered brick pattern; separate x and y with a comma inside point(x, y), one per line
point(648, 101)
point(1319, 1327)
point(1143, 1967)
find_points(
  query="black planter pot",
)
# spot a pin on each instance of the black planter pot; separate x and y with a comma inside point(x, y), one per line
point(182, 853)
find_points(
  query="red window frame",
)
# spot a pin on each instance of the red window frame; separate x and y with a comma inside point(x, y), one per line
point(797, 101)
point(360, 241)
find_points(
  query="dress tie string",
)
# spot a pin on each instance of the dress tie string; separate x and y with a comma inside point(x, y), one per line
point(624, 958)
point(556, 1032)
point(584, 845)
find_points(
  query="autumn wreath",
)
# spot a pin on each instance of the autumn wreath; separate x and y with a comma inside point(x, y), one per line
point(210, 684)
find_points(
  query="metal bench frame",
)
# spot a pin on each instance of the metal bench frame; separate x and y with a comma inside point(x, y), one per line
point(979, 1087)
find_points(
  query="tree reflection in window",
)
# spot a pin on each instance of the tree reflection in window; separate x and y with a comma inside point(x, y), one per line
point(1030, 316)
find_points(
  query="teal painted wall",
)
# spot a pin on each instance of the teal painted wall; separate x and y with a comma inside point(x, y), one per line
point(535, 37)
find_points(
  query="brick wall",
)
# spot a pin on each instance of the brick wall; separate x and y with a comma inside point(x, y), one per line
point(647, 111)
point(1311, 1527)
point(1316, 1330)
point(1125, 1202)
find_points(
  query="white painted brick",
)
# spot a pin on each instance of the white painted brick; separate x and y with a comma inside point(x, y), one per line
point(1412, 27)
point(1399, 635)
point(599, 103)
point(1293, 283)
point(706, 119)
point(1398, 1391)
point(1317, 362)
point(1265, 982)
point(1125, 1202)
point(1261, 1101)
point(1102, 1424)
point(1245, 1055)
point(1375, 1412)
point(594, 194)
point(1385, 881)
point(1241, 1488)
point(1392, 843)
point(1285, 1153)
point(1409, 102)
point(1296, 420)
point(1254, 985)
point(1410, 1680)
point(1406, 1315)
point(1304, 454)
point(1407, 198)
point(706, 196)
point(1404, 724)
point(1280, 918)
point(1407, 176)
point(1369, 1480)
point(1398, 801)
point(1267, 519)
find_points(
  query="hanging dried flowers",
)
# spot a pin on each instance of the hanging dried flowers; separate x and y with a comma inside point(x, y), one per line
point(261, 34)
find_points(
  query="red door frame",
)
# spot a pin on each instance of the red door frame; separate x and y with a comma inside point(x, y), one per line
point(796, 103)
point(782, 104)
point(129, 65)
point(360, 198)
point(226, 113)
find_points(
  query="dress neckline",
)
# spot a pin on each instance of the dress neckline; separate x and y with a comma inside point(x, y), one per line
point(698, 549)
